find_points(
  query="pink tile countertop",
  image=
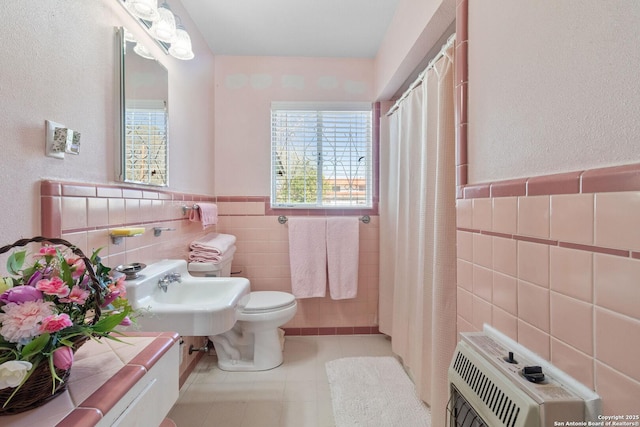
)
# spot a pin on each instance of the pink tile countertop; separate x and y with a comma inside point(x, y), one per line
point(102, 373)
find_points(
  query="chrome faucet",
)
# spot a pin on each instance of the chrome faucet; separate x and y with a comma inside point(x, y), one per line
point(168, 279)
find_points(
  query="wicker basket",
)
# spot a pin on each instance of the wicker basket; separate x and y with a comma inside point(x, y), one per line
point(39, 388)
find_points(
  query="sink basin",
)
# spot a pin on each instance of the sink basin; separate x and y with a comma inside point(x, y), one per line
point(197, 306)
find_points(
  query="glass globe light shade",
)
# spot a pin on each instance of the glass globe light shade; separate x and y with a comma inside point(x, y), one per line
point(181, 45)
point(141, 50)
point(128, 36)
point(164, 28)
point(143, 9)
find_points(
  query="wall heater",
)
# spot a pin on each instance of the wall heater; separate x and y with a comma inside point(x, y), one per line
point(496, 384)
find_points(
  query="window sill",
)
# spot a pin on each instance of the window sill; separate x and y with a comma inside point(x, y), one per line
point(276, 211)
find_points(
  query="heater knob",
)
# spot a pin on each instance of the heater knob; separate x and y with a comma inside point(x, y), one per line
point(533, 374)
point(510, 359)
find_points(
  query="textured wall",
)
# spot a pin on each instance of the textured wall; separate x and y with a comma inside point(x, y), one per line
point(415, 29)
point(59, 63)
point(245, 87)
point(553, 87)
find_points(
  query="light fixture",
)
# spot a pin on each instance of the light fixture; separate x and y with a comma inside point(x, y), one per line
point(164, 28)
point(141, 50)
point(181, 45)
point(143, 9)
point(128, 36)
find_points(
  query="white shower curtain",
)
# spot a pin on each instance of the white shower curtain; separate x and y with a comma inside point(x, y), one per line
point(418, 232)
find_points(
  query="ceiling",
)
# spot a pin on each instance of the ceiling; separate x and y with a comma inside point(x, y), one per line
point(311, 28)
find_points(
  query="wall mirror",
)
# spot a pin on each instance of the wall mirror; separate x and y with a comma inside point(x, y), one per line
point(144, 115)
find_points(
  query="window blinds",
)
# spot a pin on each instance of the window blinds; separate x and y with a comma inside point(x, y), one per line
point(146, 145)
point(321, 155)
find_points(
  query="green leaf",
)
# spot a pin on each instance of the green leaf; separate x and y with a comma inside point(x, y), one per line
point(15, 262)
point(106, 324)
point(66, 336)
point(95, 257)
point(113, 338)
point(120, 304)
point(35, 346)
point(54, 375)
point(66, 271)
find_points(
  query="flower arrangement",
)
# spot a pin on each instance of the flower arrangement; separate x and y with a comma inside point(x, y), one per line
point(49, 307)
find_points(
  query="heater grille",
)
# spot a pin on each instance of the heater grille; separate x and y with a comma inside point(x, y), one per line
point(505, 409)
point(489, 389)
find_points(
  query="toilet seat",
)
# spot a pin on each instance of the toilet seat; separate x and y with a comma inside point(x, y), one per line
point(265, 301)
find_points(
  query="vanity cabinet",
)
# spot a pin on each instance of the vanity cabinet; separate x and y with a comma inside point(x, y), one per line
point(125, 384)
point(148, 402)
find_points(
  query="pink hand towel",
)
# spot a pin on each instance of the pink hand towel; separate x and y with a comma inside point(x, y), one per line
point(342, 256)
point(308, 257)
point(207, 214)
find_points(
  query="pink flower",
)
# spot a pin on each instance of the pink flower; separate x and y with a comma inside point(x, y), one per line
point(37, 275)
point(119, 286)
point(77, 295)
point(20, 294)
point(20, 322)
point(111, 296)
point(78, 267)
point(55, 286)
point(46, 251)
point(126, 321)
point(55, 322)
point(63, 357)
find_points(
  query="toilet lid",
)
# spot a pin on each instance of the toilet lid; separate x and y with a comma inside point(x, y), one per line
point(268, 300)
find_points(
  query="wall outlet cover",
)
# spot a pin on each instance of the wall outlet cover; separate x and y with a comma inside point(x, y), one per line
point(50, 147)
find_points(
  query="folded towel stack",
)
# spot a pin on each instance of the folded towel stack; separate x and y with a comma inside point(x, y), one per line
point(216, 248)
point(200, 255)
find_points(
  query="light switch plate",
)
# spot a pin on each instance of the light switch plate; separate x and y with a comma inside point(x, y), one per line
point(49, 146)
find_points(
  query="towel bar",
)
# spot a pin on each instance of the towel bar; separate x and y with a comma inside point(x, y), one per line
point(366, 219)
point(188, 208)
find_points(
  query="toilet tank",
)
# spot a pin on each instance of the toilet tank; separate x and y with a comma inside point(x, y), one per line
point(209, 269)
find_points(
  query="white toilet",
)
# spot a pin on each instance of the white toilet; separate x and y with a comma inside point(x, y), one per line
point(255, 341)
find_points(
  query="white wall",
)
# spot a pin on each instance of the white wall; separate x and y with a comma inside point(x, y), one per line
point(59, 63)
point(414, 30)
point(553, 87)
point(245, 87)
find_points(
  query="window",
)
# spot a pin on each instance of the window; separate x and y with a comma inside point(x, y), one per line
point(146, 144)
point(321, 155)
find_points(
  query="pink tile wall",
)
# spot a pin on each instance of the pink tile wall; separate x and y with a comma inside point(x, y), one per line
point(262, 255)
point(84, 213)
point(556, 266)
point(461, 88)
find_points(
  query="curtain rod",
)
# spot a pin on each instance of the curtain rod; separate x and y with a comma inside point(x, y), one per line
point(418, 81)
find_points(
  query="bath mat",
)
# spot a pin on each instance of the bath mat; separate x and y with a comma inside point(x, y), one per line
point(374, 392)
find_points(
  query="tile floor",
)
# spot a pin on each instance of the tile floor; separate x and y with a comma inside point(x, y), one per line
point(295, 394)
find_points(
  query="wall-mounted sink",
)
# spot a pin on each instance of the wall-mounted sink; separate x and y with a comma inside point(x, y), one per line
point(191, 306)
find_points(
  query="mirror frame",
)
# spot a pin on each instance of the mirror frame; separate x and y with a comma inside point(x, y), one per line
point(121, 173)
